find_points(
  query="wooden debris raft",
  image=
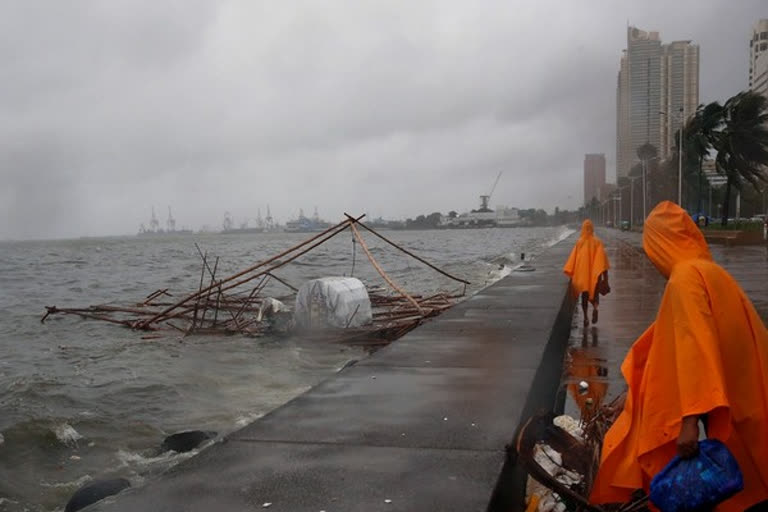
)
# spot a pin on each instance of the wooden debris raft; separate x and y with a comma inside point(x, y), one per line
point(236, 304)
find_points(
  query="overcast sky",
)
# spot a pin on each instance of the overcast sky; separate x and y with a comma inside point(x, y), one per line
point(394, 108)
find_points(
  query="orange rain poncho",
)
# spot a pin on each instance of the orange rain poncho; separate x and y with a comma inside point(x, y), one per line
point(706, 353)
point(586, 262)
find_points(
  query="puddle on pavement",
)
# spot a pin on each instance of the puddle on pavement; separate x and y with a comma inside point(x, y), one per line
point(586, 363)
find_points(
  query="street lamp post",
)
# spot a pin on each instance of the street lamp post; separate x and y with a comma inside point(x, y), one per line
point(632, 201)
point(681, 118)
point(680, 164)
point(645, 188)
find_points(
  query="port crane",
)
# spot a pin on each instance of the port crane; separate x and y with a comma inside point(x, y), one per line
point(486, 198)
point(170, 224)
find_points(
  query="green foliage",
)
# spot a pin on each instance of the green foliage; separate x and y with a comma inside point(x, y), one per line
point(738, 132)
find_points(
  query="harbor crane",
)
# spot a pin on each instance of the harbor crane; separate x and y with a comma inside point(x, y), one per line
point(170, 224)
point(485, 199)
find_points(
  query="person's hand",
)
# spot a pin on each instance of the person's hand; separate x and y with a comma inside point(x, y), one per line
point(688, 440)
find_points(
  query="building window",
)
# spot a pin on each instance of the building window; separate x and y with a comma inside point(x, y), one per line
point(763, 47)
point(763, 35)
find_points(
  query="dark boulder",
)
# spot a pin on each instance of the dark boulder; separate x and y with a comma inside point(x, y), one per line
point(186, 441)
point(95, 491)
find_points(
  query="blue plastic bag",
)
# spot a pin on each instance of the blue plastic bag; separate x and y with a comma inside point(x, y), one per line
point(703, 481)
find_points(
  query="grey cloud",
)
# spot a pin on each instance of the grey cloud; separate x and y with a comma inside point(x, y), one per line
point(107, 108)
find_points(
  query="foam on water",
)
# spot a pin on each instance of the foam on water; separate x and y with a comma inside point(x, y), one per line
point(67, 434)
point(246, 419)
point(74, 484)
point(565, 233)
point(498, 274)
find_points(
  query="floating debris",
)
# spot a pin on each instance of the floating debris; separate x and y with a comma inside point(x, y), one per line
point(562, 455)
point(237, 304)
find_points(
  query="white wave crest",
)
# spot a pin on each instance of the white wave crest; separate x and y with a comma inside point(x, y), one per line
point(67, 434)
point(74, 483)
point(128, 459)
point(245, 419)
point(565, 233)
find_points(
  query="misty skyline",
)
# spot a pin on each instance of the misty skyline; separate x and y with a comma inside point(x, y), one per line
point(396, 109)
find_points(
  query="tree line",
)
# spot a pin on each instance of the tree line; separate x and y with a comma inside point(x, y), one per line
point(734, 134)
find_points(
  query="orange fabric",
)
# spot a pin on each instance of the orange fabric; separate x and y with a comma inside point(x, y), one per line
point(586, 262)
point(706, 353)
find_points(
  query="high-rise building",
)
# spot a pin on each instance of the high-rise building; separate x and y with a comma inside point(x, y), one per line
point(679, 90)
point(594, 176)
point(657, 89)
point(758, 58)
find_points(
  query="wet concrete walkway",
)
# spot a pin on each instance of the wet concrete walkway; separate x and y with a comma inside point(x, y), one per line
point(422, 425)
point(596, 353)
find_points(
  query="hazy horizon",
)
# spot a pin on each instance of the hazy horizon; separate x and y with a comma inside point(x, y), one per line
point(395, 109)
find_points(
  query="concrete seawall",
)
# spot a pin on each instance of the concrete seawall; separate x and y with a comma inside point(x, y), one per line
point(422, 425)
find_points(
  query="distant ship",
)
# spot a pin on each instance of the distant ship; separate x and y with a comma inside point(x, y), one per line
point(156, 230)
point(307, 225)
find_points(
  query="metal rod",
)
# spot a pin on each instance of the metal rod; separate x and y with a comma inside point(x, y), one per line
point(381, 272)
point(406, 251)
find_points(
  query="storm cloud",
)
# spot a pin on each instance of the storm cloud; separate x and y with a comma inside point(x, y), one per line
point(392, 108)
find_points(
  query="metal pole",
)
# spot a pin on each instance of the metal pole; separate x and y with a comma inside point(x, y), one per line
point(631, 203)
point(621, 210)
point(644, 188)
point(710, 200)
point(680, 164)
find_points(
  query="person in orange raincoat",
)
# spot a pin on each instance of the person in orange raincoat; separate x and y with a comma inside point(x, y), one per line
point(587, 266)
point(705, 358)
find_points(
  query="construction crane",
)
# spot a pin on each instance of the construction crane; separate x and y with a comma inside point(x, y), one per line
point(170, 224)
point(485, 199)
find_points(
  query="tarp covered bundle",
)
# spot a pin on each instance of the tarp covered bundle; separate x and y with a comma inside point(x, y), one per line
point(340, 302)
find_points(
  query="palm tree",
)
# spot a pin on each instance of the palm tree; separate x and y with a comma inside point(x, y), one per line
point(698, 133)
point(646, 152)
point(741, 142)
